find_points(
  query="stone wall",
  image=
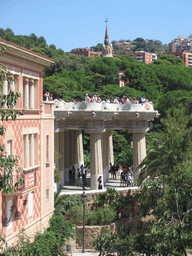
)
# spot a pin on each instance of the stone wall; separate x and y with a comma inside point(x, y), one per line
point(128, 217)
point(91, 233)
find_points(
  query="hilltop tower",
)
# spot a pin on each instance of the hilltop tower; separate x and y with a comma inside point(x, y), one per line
point(107, 48)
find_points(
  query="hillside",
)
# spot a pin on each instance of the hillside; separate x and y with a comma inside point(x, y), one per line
point(167, 82)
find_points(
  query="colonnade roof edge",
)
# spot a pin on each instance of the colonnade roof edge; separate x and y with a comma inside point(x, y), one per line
point(100, 117)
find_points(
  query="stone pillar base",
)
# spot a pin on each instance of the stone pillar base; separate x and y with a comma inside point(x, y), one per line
point(62, 177)
point(66, 176)
point(105, 174)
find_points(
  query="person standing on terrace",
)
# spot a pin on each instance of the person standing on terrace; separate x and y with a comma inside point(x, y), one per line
point(87, 99)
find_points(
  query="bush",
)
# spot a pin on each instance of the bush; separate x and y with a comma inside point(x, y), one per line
point(102, 216)
point(45, 244)
point(77, 214)
point(99, 216)
point(104, 243)
point(64, 203)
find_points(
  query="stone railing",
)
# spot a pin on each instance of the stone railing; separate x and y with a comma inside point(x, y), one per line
point(102, 106)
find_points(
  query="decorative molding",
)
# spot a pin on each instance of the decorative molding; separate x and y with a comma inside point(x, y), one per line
point(30, 74)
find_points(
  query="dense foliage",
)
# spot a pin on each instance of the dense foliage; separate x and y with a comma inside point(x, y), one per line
point(48, 243)
point(165, 196)
point(96, 213)
point(37, 44)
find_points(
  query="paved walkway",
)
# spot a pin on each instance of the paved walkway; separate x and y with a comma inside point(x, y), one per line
point(88, 252)
point(73, 189)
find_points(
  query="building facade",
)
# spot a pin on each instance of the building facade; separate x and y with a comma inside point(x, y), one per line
point(85, 52)
point(145, 57)
point(180, 44)
point(185, 56)
point(31, 137)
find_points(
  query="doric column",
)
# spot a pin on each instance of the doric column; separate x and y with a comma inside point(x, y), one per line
point(80, 158)
point(74, 149)
point(110, 148)
point(70, 148)
point(5, 86)
point(36, 93)
point(66, 157)
point(139, 152)
point(105, 156)
point(96, 159)
point(12, 84)
point(31, 93)
point(5, 89)
point(62, 156)
point(25, 93)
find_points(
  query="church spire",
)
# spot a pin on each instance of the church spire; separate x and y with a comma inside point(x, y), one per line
point(106, 41)
point(107, 48)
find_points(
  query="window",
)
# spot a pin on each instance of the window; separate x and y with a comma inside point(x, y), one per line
point(29, 150)
point(30, 204)
point(9, 148)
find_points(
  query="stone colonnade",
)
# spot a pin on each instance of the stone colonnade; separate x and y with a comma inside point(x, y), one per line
point(101, 155)
point(28, 92)
point(69, 152)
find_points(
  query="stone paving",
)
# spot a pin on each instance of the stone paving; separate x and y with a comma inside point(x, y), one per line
point(73, 189)
point(88, 252)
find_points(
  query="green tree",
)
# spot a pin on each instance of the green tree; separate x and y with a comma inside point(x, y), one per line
point(170, 146)
point(172, 59)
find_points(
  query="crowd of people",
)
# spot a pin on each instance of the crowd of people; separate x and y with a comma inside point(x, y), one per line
point(97, 99)
point(79, 177)
point(118, 100)
point(124, 175)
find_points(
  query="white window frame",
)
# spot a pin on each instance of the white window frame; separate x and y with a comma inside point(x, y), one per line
point(9, 147)
point(30, 150)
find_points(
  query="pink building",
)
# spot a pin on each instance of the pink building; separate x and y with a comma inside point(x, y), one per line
point(31, 137)
point(142, 56)
point(123, 82)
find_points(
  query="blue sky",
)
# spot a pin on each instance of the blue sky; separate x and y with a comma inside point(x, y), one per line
point(71, 24)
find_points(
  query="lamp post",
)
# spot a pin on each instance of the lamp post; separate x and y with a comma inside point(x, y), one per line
point(83, 196)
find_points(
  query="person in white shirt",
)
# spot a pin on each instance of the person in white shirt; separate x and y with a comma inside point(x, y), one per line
point(87, 99)
point(94, 98)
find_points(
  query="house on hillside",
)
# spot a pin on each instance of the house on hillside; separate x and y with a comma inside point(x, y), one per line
point(31, 137)
point(85, 52)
